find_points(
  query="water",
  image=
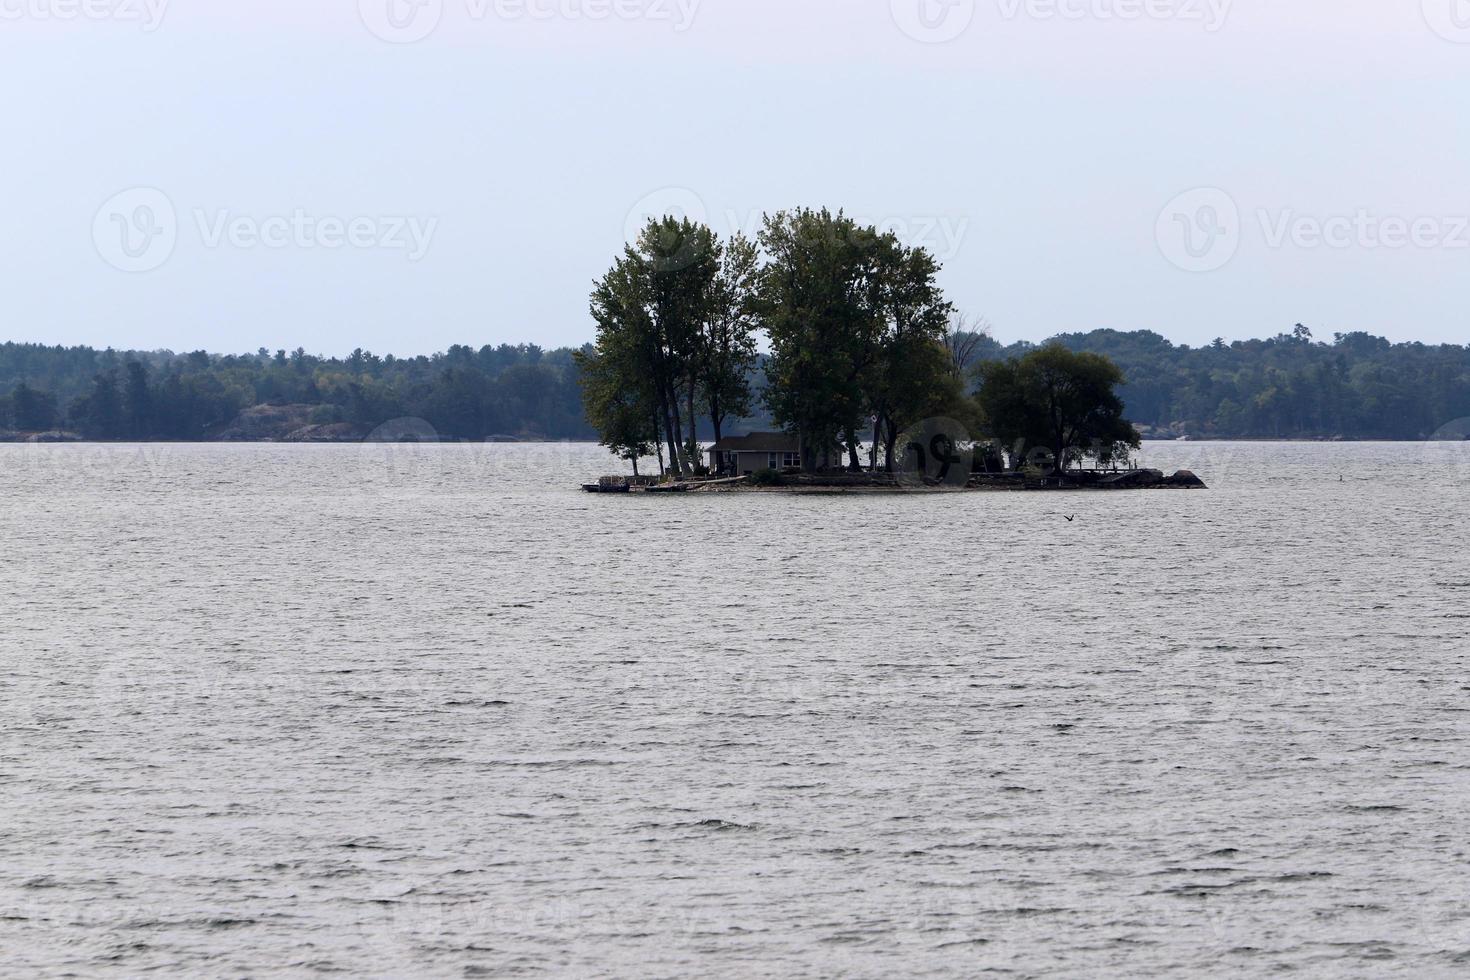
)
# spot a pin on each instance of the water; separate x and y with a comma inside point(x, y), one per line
point(390, 711)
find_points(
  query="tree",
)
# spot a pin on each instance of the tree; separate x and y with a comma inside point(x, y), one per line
point(675, 320)
point(1057, 406)
point(919, 386)
point(858, 325)
point(819, 305)
point(727, 341)
point(913, 379)
point(649, 310)
point(138, 402)
point(622, 412)
point(964, 340)
point(32, 410)
point(99, 413)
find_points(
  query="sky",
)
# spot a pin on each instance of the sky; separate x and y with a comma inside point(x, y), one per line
point(402, 175)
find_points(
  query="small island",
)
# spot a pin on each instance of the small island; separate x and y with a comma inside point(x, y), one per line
point(842, 335)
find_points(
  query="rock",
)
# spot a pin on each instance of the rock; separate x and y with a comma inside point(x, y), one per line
point(335, 432)
point(54, 435)
point(1186, 478)
point(1133, 479)
point(266, 423)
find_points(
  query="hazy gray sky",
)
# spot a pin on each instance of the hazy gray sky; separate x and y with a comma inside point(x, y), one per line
point(407, 174)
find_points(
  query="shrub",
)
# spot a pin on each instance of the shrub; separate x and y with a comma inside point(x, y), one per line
point(767, 478)
point(326, 414)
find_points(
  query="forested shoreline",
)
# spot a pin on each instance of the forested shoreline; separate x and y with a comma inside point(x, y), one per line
point(465, 393)
point(1289, 386)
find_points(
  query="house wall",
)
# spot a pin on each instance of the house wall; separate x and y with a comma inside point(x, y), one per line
point(754, 462)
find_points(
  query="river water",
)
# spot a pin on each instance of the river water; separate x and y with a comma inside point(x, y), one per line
point(381, 711)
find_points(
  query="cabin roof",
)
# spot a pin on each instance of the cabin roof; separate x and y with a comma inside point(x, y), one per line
point(759, 442)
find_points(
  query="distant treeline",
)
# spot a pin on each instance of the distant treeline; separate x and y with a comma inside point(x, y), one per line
point(158, 395)
point(1290, 386)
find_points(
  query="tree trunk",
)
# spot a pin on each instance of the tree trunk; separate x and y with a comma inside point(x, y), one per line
point(635, 467)
point(657, 444)
point(670, 426)
point(676, 430)
point(889, 437)
point(693, 431)
point(890, 440)
point(853, 462)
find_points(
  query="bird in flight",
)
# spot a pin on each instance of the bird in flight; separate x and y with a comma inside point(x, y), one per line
point(1070, 519)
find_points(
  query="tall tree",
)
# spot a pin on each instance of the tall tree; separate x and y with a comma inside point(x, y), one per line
point(913, 379)
point(99, 413)
point(649, 309)
point(619, 403)
point(138, 401)
point(818, 307)
point(32, 410)
point(727, 342)
point(1056, 405)
point(964, 340)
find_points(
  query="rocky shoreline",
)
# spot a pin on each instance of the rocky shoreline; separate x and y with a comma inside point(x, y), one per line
point(1083, 481)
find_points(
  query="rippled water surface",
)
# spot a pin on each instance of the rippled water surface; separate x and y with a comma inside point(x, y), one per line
point(290, 709)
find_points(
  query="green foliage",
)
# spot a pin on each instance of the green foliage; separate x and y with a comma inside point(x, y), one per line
point(29, 410)
point(1289, 387)
point(767, 478)
point(819, 306)
point(619, 406)
point(727, 352)
point(327, 415)
point(674, 340)
point(464, 393)
point(915, 379)
point(1056, 407)
point(858, 329)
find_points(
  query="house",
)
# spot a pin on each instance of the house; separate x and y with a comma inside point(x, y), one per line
point(743, 455)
